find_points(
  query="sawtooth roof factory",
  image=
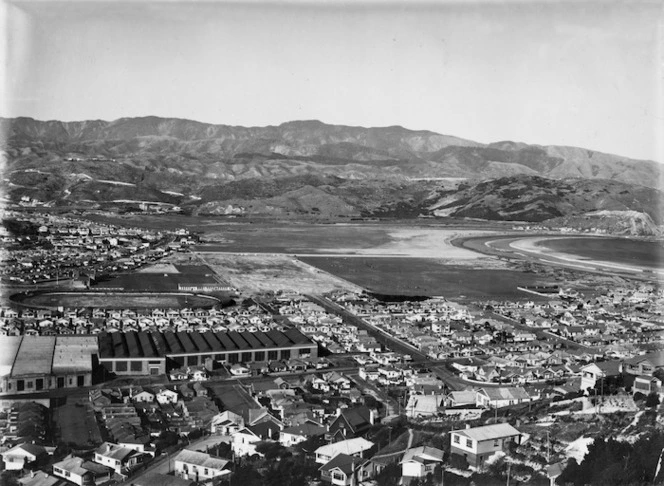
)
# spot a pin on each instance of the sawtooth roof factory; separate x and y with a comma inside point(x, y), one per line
point(153, 353)
point(30, 364)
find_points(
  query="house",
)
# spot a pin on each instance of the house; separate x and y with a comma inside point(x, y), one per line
point(340, 470)
point(352, 447)
point(143, 396)
point(352, 422)
point(246, 439)
point(479, 443)
point(120, 459)
point(23, 455)
point(199, 467)
point(497, 397)
point(461, 398)
point(645, 364)
point(226, 423)
point(166, 396)
point(82, 472)
point(40, 479)
point(647, 385)
point(594, 372)
point(422, 406)
point(299, 433)
point(419, 462)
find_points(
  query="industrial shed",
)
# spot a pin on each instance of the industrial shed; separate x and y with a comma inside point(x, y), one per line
point(153, 353)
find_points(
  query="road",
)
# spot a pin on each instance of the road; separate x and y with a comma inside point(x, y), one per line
point(381, 336)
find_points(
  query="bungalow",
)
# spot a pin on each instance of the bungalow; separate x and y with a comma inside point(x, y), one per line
point(340, 470)
point(647, 385)
point(594, 372)
point(352, 422)
point(299, 433)
point(351, 447)
point(166, 396)
point(479, 443)
point(419, 462)
point(645, 364)
point(199, 467)
point(497, 397)
point(119, 458)
point(23, 455)
point(82, 472)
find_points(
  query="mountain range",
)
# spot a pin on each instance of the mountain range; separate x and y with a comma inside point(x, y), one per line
point(309, 167)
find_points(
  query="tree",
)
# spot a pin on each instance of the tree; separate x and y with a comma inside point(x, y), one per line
point(652, 400)
point(390, 475)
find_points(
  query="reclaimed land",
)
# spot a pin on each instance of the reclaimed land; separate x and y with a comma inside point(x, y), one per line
point(425, 276)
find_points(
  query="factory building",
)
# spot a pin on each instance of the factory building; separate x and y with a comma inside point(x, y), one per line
point(31, 364)
point(153, 353)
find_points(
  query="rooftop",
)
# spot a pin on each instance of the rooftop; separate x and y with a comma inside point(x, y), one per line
point(488, 432)
point(8, 350)
point(74, 353)
point(35, 356)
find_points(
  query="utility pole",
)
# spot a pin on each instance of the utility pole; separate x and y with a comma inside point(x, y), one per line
point(509, 468)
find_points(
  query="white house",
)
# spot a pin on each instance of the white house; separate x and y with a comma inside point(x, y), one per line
point(496, 397)
point(120, 459)
point(299, 433)
point(82, 472)
point(166, 396)
point(22, 455)
point(479, 443)
point(351, 447)
point(199, 467)
point(226, 423)
point(419, 462)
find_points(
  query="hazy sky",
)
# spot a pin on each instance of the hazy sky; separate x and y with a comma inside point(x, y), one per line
point(570, 73)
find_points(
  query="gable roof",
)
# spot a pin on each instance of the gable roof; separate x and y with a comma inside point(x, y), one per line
point(505, 393)
point(349, 447)
point(488, 432)
point(307, 429)
point(423, 454)
point(201, 459)
point(343, 462)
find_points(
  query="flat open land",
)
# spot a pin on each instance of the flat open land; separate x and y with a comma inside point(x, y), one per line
point(76, 424)
point(271, 272)
point(119, 300)
point(424, 276)
point(420, 241)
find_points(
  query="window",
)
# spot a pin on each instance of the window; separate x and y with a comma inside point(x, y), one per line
point(259, 356)
point(221, 357)
point(455, 439)
point(285, 354)
point(80, 380)
point(136, 366)
point(30, 384)
point(496, 442)
point(20, 385)
point(246, 357)
point(71, 380)
point(206, 471)
point(120, 366)
point(67, 474)
point(469, 442)
point(233, 358)
point(272, 355)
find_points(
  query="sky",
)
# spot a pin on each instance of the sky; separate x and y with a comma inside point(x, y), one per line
point(557, 72)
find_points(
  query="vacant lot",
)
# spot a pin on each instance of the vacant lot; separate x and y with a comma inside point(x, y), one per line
point(268, 272)
point(76, 425)
point(425, 276)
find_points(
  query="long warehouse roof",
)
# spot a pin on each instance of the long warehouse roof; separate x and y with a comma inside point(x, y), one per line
point(159, 344)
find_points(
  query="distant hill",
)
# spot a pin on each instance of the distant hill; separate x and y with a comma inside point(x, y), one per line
point(309, 167)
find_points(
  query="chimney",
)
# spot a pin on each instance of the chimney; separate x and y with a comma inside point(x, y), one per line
point(467, 426)
point(372, 417)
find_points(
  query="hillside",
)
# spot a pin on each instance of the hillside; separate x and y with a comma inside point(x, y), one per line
point(311, 168)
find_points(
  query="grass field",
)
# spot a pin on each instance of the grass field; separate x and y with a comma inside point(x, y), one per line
point(119, 300)
point(423, 276)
